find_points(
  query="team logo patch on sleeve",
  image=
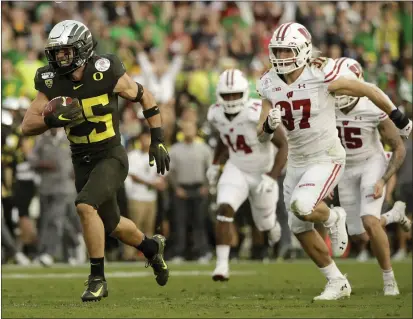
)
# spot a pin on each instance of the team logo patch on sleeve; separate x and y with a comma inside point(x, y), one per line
point(102, 64)
point(49, 83)
point(266, 83)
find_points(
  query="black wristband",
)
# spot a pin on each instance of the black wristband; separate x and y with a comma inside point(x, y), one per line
point(139, 94)
point(266, 128)
point(399, 119)
point(151, 112)
point(157, 134)
point(46, 121)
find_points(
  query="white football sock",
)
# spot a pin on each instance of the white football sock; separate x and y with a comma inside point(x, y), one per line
point(331, 271)
point(222, 254)
point(332, 218)
point(388, 275)
point(389, 217)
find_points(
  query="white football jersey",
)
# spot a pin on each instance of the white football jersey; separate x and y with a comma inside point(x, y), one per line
point(307, 110)
point(358, 131)
point(240, 136)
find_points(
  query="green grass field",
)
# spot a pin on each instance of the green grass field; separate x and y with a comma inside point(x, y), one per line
point(254, 290)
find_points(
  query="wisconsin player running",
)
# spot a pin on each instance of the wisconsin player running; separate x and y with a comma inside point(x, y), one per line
point(91, 122)
point(360, 124)
point(300, 95)
point(252, 168)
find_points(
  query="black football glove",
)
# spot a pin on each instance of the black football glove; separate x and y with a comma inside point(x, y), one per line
point(158, 152)
point(64, 114)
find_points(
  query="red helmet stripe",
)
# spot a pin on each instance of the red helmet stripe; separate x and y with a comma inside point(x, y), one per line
point(280, 28)
point(285, 30)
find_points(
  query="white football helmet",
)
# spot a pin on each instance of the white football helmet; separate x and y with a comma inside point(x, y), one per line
point(232, 81)
point(349, 67)
point(292, 36)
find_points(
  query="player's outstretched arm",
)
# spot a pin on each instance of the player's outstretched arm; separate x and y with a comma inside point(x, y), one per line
point(135, 92)
point(33, 121)
point(357, 88)
point(390, 135)
point(280, 141)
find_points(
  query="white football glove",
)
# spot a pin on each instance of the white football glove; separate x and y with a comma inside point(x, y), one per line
point(274, 118)
point(266, 185)
point(212, 174)
point(407, 130)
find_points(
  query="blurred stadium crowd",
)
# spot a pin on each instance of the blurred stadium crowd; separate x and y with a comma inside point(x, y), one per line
point(177, 50)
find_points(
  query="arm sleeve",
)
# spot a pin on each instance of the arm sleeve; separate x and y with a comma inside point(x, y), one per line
point(258, 86)
point(254, 111)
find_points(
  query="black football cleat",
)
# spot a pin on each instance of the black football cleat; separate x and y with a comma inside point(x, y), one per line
point(96, 289)
point(157, 262)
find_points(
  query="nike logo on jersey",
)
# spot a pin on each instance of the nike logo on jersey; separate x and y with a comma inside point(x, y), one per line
point(76, 87)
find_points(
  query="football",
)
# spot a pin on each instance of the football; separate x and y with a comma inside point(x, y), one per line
point(51, 106)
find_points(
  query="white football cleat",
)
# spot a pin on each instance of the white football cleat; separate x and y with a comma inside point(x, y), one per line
point(221, 273)
point(399, 208)
point(363, 256)
point(391, 288)
point(399, 255)
point(335, 289)
point(274, 235)
point(338, 233)
point(46, 260)
point(21, 259)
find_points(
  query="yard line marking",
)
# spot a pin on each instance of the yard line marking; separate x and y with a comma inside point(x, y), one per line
point(122, 274)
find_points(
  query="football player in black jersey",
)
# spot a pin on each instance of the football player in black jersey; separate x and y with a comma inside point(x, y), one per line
point(91, 122)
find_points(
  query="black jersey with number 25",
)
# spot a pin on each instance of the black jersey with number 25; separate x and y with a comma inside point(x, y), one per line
point(99, 129)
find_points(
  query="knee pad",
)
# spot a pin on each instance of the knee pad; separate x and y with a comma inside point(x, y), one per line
point(298, 226)
point(355, 228)
point(354, 223)
point(263, 220)
point(302, 206)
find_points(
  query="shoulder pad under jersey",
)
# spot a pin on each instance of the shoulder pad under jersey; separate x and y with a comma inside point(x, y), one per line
point(212, 110)
point(254, 110)
point(328, 67)
point(43, 79)
point(105, 62)
point(263, 83)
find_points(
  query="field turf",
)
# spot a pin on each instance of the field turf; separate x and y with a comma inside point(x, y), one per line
point(254, 290)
